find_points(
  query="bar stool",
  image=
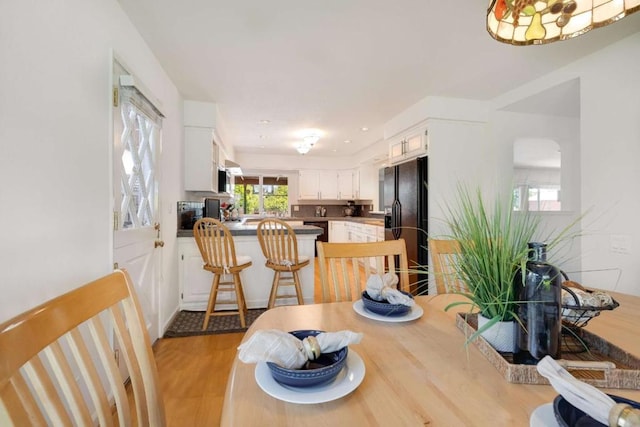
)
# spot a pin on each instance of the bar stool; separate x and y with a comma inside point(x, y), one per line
point(280, 248)
point(219, 255)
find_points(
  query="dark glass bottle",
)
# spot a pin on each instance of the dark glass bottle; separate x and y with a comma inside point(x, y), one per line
point(539, 308)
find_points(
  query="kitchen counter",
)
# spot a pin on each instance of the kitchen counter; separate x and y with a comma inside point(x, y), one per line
point(360, 219)
point(249, 228)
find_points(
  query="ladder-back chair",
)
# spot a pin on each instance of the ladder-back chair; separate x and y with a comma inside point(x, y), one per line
point(345, 267)
point(57, 364)
point(444, 254)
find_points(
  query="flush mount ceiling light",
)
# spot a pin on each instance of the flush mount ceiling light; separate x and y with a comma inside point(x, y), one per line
point(526, 22)
point(311, 139)
point(303, 147)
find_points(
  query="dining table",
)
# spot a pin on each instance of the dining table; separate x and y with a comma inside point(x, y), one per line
point(415, 371)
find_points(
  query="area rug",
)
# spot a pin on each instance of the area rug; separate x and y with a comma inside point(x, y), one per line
point(189, 323)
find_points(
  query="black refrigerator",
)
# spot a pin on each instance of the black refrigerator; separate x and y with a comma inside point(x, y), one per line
point(406, 213)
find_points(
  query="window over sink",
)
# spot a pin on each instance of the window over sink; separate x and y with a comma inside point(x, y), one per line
point(262, 194)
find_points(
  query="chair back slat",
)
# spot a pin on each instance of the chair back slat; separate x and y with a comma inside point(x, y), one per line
point(57, 364)
point(444, 255)
point(345, 267)
point(215, 243)
point(278, 241)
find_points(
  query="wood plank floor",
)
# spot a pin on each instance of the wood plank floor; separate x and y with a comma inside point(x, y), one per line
point(193, 374)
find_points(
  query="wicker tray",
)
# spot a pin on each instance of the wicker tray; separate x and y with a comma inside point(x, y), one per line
point(603, 365)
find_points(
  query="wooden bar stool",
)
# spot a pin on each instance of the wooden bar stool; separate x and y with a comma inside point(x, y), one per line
point(219, 255)
point(280, 248)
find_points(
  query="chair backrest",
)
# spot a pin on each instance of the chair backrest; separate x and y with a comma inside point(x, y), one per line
point(57, 364)
point(278, 241)
point(444, 255)
point(215, 243)
point(345, 267)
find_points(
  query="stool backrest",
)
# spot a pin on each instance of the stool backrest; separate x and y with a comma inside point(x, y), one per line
point(278, 241)
point(215, 243)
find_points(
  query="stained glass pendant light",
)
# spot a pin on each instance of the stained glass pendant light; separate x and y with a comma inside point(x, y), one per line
point(525, 22)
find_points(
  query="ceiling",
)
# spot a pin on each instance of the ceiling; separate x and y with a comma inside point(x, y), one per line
point(338, 65)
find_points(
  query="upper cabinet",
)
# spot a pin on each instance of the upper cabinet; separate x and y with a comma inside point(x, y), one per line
point(348, 184)
point(318, 185)
point(411, 144)
point(329, 184)
point(200, 159)
point(201, 147)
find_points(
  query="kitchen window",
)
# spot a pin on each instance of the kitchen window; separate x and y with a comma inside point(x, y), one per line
point(257, 195)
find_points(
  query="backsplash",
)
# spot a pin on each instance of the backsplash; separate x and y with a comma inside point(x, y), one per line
point(304, 211)
point(188, 214)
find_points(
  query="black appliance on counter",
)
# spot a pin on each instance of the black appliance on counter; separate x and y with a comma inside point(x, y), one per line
point(324, 237)
point(406, 213)
point(188, 214)
point(211, 208)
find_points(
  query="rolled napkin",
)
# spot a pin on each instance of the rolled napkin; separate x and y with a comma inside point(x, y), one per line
point(282, 348)
point(383, 288)
point(586, 397)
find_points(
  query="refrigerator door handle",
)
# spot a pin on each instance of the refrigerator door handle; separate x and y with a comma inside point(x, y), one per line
point(396, 221)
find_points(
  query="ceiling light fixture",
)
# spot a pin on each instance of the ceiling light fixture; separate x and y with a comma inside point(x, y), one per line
point(311, 139)
point(526, 22)
point(303, 148)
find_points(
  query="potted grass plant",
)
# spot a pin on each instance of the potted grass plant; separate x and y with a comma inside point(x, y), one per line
point(493, 243)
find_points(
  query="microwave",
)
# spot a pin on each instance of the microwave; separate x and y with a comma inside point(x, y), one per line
point(224, 181)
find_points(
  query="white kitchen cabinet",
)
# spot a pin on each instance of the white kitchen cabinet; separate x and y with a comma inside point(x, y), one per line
point(200, 159)
point(318, 185)
point(348, 184)
point(194, 282)
point(338, 232)
point(411, 144)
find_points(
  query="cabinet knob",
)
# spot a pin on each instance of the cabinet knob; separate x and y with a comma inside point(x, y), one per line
point(158, 243)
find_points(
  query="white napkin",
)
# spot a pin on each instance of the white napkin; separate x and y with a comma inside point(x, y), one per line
point(583, 396)
point(282, 348)
point(383, 288)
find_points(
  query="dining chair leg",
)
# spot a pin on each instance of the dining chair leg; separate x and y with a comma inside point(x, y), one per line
point(212, 300)
point(274, 289)
point(240, 299)
point(296, 282)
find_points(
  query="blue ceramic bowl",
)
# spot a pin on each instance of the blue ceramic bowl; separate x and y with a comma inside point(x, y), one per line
point(383, 307)
point(319, 371)
point(568, 415)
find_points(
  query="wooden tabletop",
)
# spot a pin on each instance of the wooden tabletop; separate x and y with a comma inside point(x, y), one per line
point(417, 373)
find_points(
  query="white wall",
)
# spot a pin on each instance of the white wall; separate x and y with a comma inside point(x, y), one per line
point(55, 162)
point(606, 158)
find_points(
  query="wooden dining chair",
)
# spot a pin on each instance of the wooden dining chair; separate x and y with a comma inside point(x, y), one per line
point(57, 364)
point(218, 251)
point(444, 253)
point(345, 267)
point(280, 248)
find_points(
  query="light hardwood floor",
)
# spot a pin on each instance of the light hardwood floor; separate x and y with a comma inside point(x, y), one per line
point(193, 374)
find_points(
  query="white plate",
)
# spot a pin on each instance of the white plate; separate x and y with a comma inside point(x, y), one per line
point(416, 312)
point(347, 380)
point(543, 416)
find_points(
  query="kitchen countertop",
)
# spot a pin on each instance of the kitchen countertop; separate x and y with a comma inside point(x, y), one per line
point(240, 228)
point(359, 219)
